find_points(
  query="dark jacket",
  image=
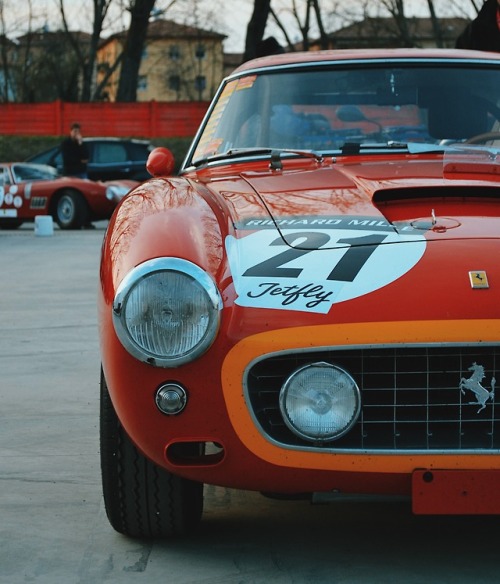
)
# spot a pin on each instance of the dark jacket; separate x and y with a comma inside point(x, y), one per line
point(482, 34)
point(74, 157)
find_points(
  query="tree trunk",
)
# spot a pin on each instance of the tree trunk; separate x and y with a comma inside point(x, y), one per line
point(322, 33)
point(256, 28)
point(132, 51)
point(435, 25)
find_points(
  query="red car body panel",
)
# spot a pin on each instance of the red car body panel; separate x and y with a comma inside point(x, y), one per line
point(25, 199)
point(220, 218)
point(399, 310)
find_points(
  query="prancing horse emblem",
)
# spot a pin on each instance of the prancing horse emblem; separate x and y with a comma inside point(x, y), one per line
point(473, 383)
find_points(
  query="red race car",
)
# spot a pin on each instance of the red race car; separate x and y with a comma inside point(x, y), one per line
point(28, 190)
point(311, 307)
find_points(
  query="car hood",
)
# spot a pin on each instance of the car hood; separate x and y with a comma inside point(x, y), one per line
point(315, 234)
point(455, 196)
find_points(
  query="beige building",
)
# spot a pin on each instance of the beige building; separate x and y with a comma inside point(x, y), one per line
point(179, 63)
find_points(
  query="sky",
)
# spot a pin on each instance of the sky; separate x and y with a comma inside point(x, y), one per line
point(229, 17)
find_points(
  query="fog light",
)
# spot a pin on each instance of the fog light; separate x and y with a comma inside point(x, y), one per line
point(171, 399)
point(320, 402)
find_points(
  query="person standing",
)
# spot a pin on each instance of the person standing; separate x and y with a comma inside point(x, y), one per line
point(74, 153)
point(483, 33)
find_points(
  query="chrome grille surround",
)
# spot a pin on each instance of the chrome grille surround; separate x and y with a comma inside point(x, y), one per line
point(411, 398)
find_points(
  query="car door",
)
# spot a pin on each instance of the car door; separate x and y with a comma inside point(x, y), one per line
point(109, 161)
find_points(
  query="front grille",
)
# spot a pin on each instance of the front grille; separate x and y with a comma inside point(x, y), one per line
point(411, 397)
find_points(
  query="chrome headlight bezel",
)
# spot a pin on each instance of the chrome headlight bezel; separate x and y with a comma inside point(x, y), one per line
point(139, 276)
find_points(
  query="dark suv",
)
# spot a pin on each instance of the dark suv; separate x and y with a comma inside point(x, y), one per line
point(109, 158)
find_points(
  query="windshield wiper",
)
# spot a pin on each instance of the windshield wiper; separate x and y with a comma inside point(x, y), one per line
point(275, 153)
point(231, 153)
point(353, 148)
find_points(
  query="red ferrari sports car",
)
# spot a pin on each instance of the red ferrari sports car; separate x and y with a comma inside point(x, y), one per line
point(28, 190)
point(311, 307)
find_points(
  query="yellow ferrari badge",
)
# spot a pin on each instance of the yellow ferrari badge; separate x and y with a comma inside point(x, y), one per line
point(478, 279)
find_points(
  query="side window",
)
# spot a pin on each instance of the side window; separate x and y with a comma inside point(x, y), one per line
point(108, 153)
point(53, 157)
point(4, 177)
point(138, 151)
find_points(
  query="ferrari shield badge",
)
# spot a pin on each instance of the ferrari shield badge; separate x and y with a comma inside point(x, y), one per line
point(474, 384)
point(478, 279)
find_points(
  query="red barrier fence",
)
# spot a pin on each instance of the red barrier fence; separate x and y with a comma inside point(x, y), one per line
point(152, 119)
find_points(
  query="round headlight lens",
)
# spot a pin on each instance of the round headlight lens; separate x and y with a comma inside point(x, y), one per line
point(320, 402)
point(166, 312)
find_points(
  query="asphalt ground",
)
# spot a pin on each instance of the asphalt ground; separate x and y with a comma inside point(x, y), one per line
point(53, 528)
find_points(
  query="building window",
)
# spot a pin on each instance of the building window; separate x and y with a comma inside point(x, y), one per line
point(174, 82)
point(200, 83)
point(200, 52)
point(174, 53)
point(142, 83)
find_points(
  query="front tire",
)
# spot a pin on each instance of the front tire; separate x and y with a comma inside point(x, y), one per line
point(142, 499)
point(71, 210)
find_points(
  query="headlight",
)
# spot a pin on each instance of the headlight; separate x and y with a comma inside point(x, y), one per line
point(116, 192)
point(167, 311)
point(320, 402)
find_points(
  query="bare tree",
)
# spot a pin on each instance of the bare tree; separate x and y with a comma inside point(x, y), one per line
point(311, 8)
point(476, 5)
point(283, 29)
point(256, 28)
point(436, 27)
point(87, 60)
point(5, 52)
point(324, 42)
point(397, 10)
point(140, 11)
point(31, 77)
point(14, 62)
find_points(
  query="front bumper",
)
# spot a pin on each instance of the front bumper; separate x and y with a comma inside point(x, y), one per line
point(220, 411)
point(394, 448)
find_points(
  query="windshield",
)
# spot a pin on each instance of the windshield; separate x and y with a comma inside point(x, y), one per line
point(30, 172)
point(325, 108)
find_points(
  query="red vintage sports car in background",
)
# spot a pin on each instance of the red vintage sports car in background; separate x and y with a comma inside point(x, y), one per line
point(312, 306)
point(28, 190)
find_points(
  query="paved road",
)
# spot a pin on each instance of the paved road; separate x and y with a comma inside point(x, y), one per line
point(53, 528)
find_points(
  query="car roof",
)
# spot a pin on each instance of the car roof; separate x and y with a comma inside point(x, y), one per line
point(287, 59)
point(114, 139)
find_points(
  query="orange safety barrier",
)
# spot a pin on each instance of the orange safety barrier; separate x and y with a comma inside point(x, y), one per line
point(151, 119)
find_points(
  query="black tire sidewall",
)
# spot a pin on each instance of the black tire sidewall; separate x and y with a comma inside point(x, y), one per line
point(142, 499)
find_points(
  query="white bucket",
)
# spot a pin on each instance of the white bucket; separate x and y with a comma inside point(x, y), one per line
point(44, 225)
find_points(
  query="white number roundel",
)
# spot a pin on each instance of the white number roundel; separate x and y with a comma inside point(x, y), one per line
point(315, 269)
